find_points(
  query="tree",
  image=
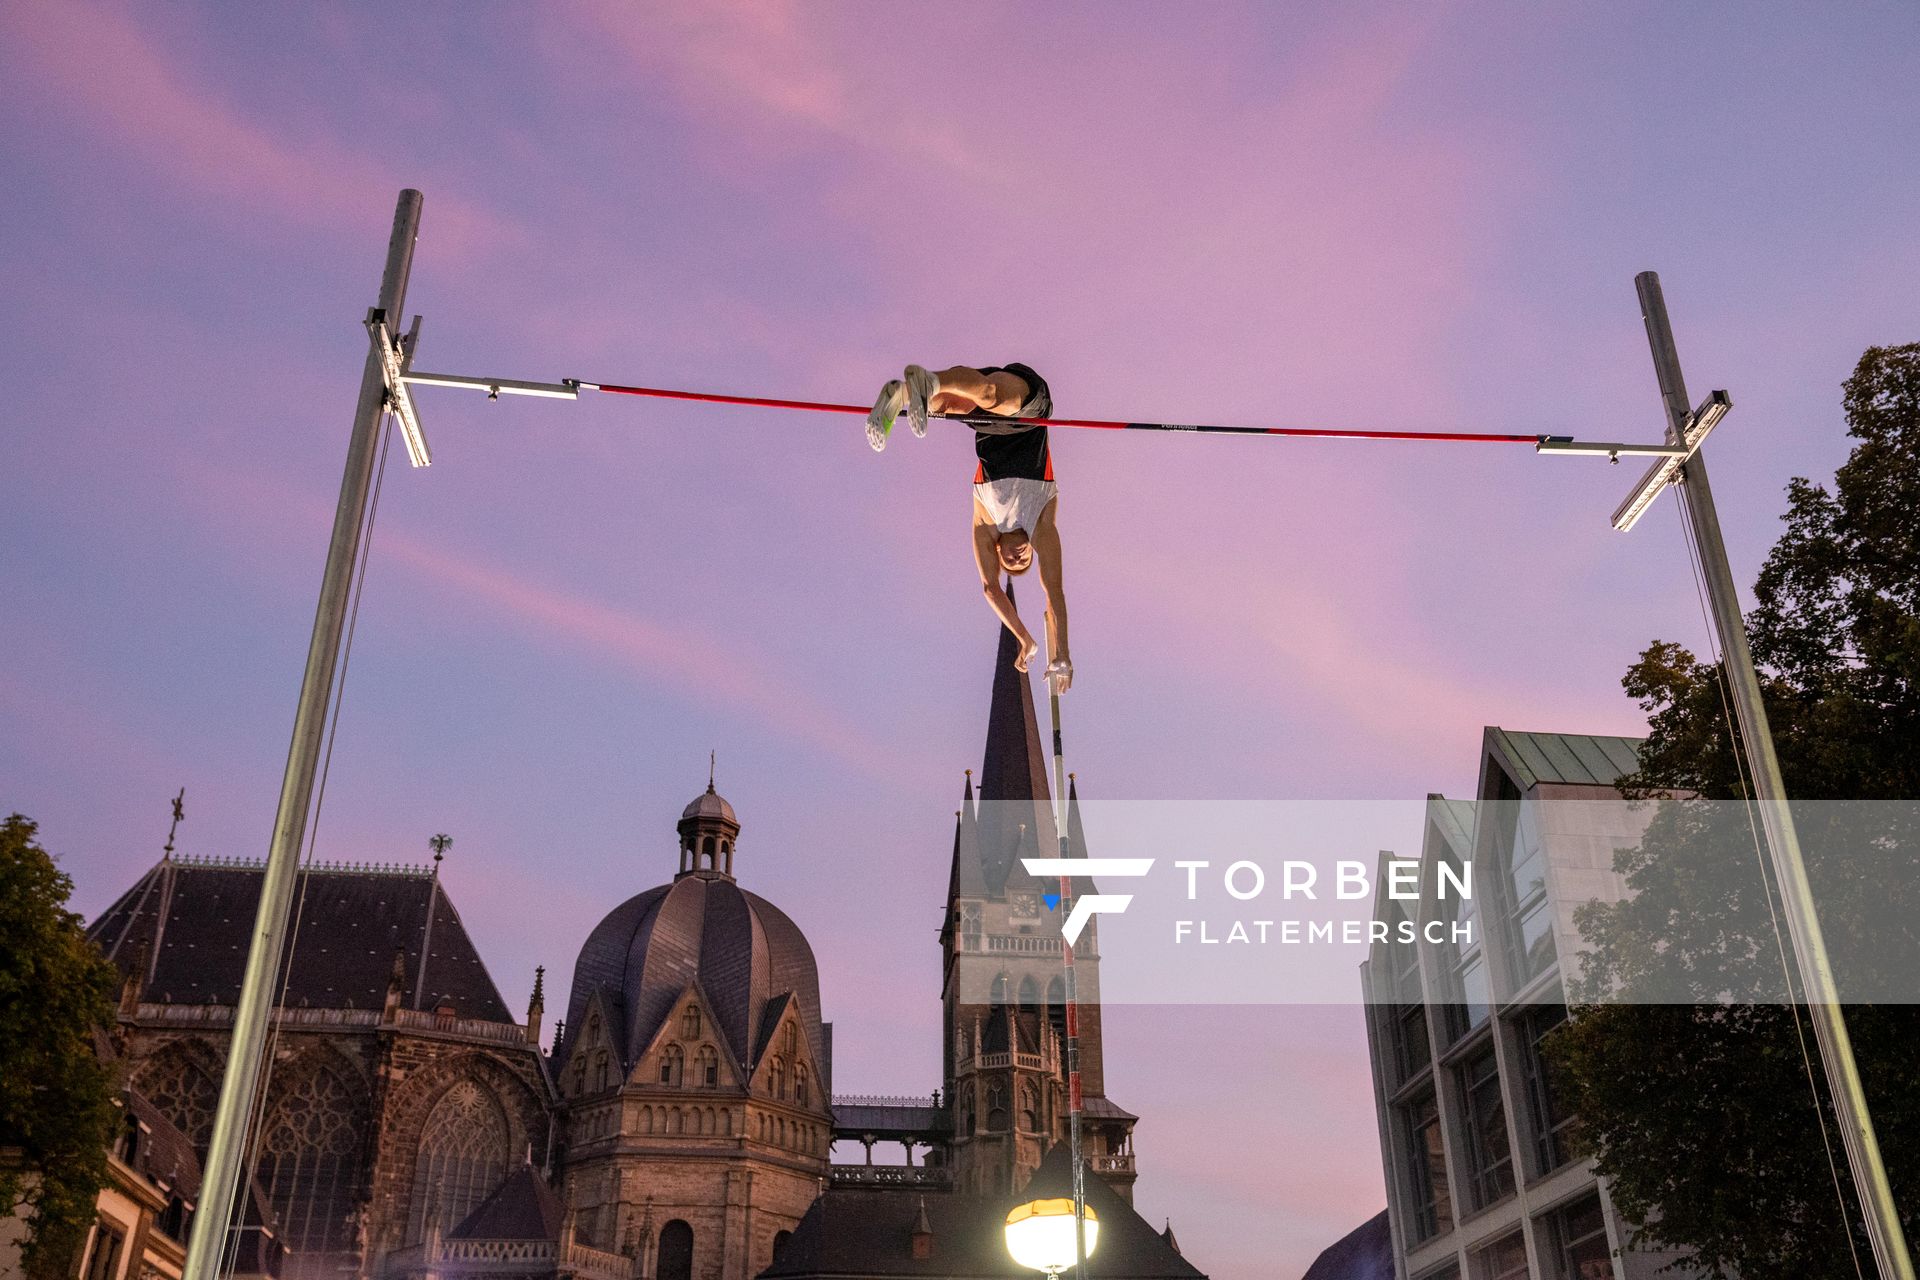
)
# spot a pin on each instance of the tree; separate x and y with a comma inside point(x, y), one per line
point(1701, 1113)
point(56, 1092)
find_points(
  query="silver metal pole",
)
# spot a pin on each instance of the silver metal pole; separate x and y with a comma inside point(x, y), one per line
point(226, 1156)
point(1770, 794)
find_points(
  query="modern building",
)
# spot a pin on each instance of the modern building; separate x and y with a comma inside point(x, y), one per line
point(682, 1124)
point(1481, 1183)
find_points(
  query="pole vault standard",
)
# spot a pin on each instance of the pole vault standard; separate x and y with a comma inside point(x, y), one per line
point(1688, 428)
point(226, 1152)
point(386, 387)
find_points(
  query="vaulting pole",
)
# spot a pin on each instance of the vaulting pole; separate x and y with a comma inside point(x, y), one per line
point(226, 1155)
point(1776, 818)
point(1073, 1000)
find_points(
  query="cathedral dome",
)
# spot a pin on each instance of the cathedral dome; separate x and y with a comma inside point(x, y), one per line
point(745, 955)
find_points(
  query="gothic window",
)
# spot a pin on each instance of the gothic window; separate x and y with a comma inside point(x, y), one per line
point(970, 926)
point(966, 1111)
point(580, 1075)
point(676, 1252)
point(308, 1161)
point(186, 1095)
point(690, 1023)
point(462, 1158)
point(1029, 1108)
point(706, 1067)
point(777, 1078)
point(672, 1058)
point(601, 1073)
point(800, 1093)
point(780, 1239)
point(996, 1108)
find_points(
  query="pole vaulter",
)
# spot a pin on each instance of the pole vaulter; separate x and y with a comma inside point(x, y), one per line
point(386, 388)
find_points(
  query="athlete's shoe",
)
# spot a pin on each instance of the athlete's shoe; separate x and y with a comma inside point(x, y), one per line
point(921, 387)
point(885, 409)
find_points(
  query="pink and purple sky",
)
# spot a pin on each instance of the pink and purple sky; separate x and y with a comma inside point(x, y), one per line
point(1419, 217)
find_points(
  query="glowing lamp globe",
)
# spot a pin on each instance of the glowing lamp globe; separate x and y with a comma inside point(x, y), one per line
point(1040, 1235)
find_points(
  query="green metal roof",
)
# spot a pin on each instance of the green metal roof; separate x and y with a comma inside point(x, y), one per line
point(1574, 758)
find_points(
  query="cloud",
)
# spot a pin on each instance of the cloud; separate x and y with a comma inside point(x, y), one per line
point(95, 62)
point(674, 658)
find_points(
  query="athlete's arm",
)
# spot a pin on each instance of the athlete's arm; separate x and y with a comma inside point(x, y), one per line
point(1046, 550)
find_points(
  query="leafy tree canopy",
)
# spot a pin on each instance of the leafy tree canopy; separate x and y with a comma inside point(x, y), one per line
point(56, 1092)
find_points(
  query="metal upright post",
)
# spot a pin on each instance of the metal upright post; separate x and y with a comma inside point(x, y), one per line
point(1770, 796)
point(226, 1155)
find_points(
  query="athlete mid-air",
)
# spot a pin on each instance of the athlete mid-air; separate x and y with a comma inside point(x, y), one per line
point(1014, 496)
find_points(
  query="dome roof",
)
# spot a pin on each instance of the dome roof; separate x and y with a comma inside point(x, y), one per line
point(744, 953)
point(709, 804)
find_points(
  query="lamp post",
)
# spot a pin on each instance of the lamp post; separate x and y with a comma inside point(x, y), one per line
point(1040, 1235)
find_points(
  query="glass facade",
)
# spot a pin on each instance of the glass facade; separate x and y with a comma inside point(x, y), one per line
point(1473, 994)
point(1581, 1251)
point(1547, 1119)
point(1489, 1156)
point(1504, 1259)
point(1427, 1169)
point(1523, 885)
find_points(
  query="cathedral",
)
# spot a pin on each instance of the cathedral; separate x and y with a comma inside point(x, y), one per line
point(683, 1122)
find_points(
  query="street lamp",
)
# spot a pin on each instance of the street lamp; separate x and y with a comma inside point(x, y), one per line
point(1040, 1235)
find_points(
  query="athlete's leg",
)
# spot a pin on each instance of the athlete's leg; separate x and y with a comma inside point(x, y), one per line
point(962, 390)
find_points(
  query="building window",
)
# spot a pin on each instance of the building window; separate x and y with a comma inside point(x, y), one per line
point(801, 1093)
point(780, 1239)
point(1427, 1168)
point(1467, 962)
point(676, 1251)
point(309, 1156)
point(1580, 1248)
point(1503, 1259)
point(1489, 1155)
point(1412, 1048)
point(672, 1058)
point(462, 1159)
point(1030, 1109)
point(103, 1260)
point(996, 1108)
point(690, 1023)
point(1523, 885)
point(777, 1078)
point(1548, 1119)
point(184, 1094)
point(707, 1066)
point(1445, 1271)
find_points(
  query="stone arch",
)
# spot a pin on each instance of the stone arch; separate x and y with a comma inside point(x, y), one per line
point(462, 1158)
point(181, 1079)
point(404, 1121)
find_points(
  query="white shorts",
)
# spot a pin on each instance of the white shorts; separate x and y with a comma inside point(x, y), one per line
point(1016, 503)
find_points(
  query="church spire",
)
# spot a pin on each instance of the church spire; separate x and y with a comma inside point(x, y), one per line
point(1013, 774)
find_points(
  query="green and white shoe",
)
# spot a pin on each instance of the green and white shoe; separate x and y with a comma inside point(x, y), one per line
point(921, 387)
point(885, 409)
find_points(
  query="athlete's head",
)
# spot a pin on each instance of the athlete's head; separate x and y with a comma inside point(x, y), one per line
point(1016, 552)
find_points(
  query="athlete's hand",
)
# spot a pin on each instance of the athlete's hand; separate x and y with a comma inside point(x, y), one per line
point(1028, 647)
point(1060, 675)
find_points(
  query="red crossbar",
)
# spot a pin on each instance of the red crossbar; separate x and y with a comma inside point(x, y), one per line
point(1098, 424)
